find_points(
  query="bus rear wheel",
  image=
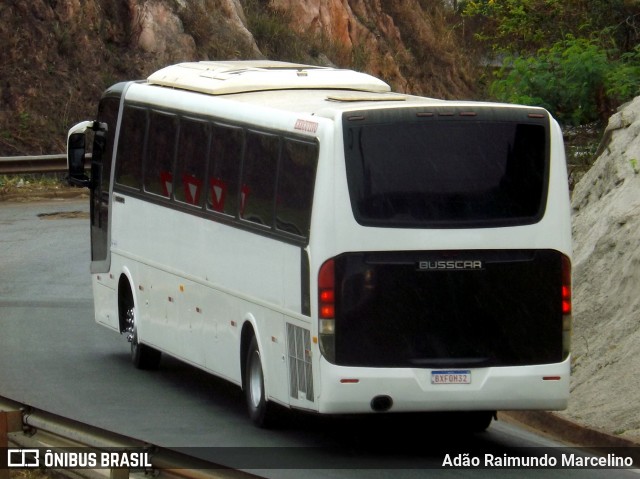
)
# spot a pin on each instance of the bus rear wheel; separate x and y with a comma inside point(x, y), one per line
point(475, 421)
point(260, 410)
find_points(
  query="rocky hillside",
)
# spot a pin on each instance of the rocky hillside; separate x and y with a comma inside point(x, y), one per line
point(57, 56)
point(606, 269)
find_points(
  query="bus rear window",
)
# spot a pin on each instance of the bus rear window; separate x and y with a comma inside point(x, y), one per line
point(450, 171)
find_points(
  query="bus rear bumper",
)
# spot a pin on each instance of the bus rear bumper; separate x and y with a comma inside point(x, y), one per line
point(346, 390)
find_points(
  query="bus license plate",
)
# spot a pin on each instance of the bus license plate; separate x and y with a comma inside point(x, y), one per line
point(451, 377)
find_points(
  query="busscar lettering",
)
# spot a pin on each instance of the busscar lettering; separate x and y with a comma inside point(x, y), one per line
point(450, 265)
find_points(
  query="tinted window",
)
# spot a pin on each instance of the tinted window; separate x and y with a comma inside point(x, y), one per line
point(131, 147)
point(298, 162)
point(257, 193)
point(224, 169)
point(446, 172)
point(158, 174)
point(193, 145)
point(262, 178)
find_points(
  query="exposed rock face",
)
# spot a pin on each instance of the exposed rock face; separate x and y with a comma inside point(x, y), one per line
point(377, 34)
point(157, 27)
point(332, 17)
point(159, 30)
point(606, 266)
point(337, 19)
point(392, 39)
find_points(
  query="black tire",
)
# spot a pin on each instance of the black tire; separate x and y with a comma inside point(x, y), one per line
point(260, 410)
point(476, 421)
point(142, 356)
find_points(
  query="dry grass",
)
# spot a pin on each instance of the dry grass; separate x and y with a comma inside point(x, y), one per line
point(37, 187)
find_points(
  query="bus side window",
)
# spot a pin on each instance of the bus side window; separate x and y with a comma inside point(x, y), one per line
point(224, 170)
point(259, 177)
point(296, 181)
point(158, 174)
point(193, 145)
point(131, 147)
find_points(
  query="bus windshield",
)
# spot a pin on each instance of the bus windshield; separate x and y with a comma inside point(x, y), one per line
point(446, 171)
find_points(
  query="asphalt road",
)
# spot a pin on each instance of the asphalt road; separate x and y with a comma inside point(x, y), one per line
point(55, 358)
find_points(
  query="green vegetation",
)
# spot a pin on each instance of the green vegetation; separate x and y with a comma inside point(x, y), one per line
point(575, 78)
point(578, 58)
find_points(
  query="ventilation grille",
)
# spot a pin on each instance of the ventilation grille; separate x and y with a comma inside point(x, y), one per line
point(300, 371)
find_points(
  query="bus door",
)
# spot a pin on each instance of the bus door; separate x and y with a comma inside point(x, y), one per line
point(101, 162)
point(98, 183)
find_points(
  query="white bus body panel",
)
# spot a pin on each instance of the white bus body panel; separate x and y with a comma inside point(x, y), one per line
point(194, 306)
point(500, 388)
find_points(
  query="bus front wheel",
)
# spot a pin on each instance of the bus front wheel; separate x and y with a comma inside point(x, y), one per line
point(142, 356)
point(260, 410)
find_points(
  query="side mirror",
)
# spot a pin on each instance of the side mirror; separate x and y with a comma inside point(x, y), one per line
point(76, 152)
point(75, 160)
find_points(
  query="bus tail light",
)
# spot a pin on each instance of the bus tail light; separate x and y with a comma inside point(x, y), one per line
point(566, 306)
point(327, 309)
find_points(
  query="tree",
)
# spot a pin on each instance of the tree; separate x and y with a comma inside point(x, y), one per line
point(577, 58)
point(516, 25)
point(525, 26)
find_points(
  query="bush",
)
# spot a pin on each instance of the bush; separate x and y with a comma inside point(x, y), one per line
point(623, 82)
point(576, 79)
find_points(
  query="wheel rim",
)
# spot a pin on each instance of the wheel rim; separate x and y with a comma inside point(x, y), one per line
point(132, 332)
point(130, 321)
point(255, 380)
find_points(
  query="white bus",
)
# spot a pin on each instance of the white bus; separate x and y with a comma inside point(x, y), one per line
point(329, 245)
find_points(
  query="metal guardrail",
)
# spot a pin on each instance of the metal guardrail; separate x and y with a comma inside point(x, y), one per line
point(33, 164)
point(28, 430)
